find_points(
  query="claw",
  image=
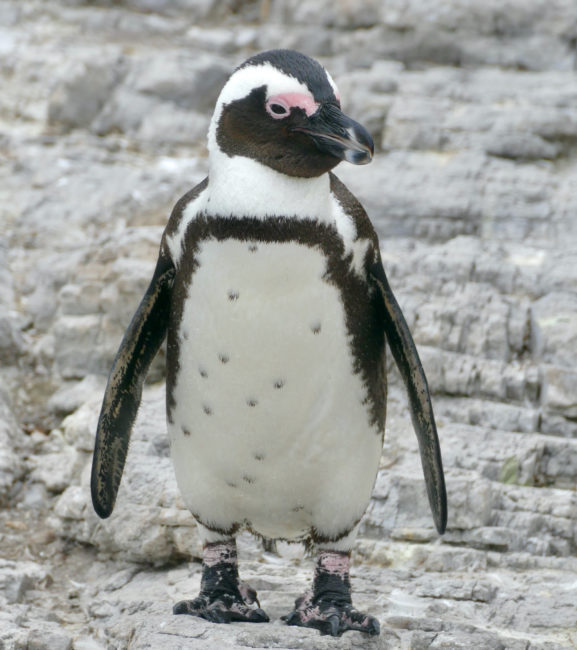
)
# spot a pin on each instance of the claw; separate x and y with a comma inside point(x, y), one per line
point(180, 607)
point(258, 616)
point(374, 627)
point(333, 624)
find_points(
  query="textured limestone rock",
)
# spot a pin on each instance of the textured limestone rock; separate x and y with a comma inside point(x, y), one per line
point(79, 100)
point(10, 338)
point(529, 36)
point(11, 465)
point(103, 114)
point(16, 578)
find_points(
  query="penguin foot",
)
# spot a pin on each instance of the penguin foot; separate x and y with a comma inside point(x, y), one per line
point(223, 609)
point(223, 597)
point(332, 618)
point(328, 607)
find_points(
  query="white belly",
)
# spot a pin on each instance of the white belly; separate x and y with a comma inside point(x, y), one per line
point(270, 425)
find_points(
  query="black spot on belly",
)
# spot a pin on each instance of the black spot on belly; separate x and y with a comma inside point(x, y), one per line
point(248, 479)
point(231, 484)
point(279, 383)
point(233, 295)
point(252, 402)
point(207, 409)
point(298, 508)
point(252, 248)
point(258, 456)
point(223, 358)
point(202, 372)
point(185, 431)
point(316, 327)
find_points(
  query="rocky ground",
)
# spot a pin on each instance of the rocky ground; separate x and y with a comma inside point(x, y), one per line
point(473, 105)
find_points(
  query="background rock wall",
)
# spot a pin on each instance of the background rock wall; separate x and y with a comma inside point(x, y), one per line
point(103, 114)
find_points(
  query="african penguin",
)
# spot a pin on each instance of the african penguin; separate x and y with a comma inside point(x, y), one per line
point(270, 288)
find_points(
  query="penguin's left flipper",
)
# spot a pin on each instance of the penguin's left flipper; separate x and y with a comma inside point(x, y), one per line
point(407, 359)
point(139, 346)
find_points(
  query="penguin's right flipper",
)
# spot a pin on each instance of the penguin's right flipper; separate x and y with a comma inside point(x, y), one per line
point(139, 346)
point(407, 359)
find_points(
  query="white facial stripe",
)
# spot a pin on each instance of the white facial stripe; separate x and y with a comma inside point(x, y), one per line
point(333, 86)
point(265, 74)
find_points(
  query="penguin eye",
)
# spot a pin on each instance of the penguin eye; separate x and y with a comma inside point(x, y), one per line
point(277, 110)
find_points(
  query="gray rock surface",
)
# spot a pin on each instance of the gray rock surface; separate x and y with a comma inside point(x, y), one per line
point(103, 113)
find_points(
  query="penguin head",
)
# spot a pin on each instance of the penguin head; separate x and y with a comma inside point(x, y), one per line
point(282, 109)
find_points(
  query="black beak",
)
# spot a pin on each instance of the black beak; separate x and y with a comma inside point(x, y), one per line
point(335, 133)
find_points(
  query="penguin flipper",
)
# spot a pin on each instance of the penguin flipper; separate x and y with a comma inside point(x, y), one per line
point(407, 360)
point(139, 346)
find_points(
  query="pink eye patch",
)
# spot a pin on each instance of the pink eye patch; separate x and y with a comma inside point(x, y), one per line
point(279, 106)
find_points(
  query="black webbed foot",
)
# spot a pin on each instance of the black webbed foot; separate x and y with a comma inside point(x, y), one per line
point(223, 598)
point(224, 609)
point(328, 606)
point(330, 617)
